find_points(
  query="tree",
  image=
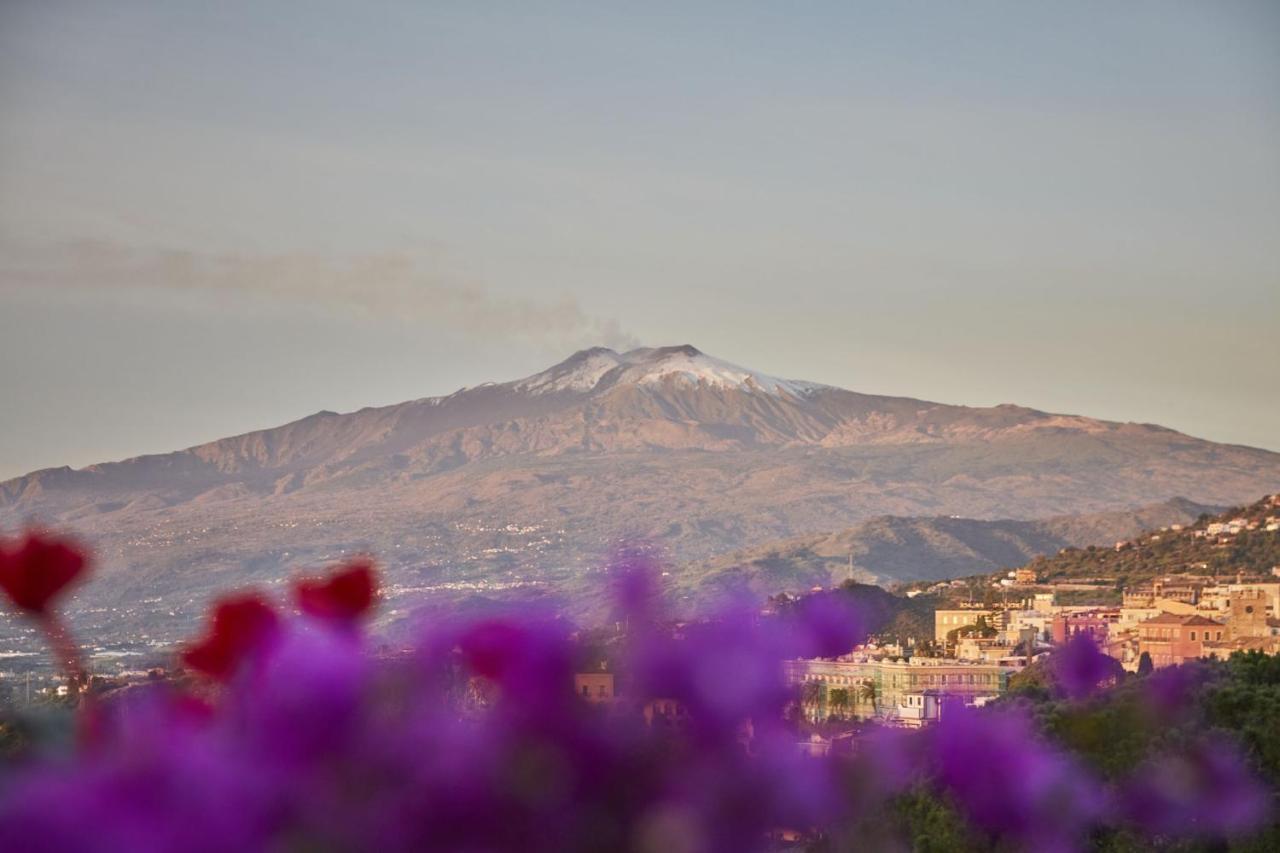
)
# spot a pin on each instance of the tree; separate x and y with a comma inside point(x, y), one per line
point(813, 695)
point(869, 693)
point(979, 628)
point(1145, 666)
point(839, 698)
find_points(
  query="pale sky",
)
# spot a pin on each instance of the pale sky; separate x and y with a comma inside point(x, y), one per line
point(217, 217)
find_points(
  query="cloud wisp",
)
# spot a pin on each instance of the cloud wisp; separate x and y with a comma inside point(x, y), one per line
point(388, 284)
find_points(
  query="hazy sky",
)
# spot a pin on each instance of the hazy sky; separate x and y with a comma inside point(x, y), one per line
point(216, 217)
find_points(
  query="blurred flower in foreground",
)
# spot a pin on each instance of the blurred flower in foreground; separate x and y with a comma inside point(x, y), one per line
point(241, 625)
point(635, 581)
point(1205, 790)
point(346, 594)
point(1169, 693)
point(1079, 666)
point(827, 624)
point(1012, 783)
point(476, 740)
point(34, 572)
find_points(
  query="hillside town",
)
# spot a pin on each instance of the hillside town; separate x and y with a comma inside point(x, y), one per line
point(977, 647)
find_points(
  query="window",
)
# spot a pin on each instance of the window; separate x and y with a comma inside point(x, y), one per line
point(1193, 635)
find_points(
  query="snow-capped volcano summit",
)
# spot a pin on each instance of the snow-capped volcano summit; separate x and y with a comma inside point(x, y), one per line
point(581, 371)
point(600, 368)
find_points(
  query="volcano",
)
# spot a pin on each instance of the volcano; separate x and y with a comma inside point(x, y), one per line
point(527, 484)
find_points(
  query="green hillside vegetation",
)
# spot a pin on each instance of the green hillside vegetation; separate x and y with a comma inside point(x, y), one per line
point(1162, 552)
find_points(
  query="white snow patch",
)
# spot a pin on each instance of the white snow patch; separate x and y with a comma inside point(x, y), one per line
point(702, 369)
point(583, 375)
point(680, 365)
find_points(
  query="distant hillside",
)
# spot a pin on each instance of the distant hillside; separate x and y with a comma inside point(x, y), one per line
point(885, 615)
point(1159, 550)
point(893, 549)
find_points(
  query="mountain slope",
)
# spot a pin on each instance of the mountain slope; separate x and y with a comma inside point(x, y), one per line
point(1222, 543)
point(890, 549)
point(527, 484)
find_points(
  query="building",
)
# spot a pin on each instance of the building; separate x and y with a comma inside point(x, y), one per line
point(1043, 602)
point(1247, 614)
point(1025, 577)
point(1269, 591)
point(946, 621)
point(1131, 615)
point(1171, 639)
point(1096, 623)
point(665, 713)
point(1020, 621)
point(984, 649)
point(1183, 588)
point(917, 710)
point(878, 687)
point(594, 687)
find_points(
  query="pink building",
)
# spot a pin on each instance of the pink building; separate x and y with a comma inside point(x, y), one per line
point(1096, 623)
point(1171, 639)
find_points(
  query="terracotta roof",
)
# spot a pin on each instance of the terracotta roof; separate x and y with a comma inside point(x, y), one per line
point(1201, 620)
point(1175, 619)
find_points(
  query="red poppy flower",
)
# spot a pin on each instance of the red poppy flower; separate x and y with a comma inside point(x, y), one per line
point(345, 595)
point(240, 625)
point(38, 569)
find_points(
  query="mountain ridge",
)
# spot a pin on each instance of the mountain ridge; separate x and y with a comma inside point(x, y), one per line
point(299, 443)
point(696, 455)
point(889, 549)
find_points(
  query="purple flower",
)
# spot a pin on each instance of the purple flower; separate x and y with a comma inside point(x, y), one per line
point(162, 776)
point(302, 698)
point(894, 759)
point(1170, 692)
point(1010, 782)
point(476, 741)
point(1206, 790)
point(636, 589)
point(1080, 666)
point(826, 625)
point(723, 672)
point(527, 660)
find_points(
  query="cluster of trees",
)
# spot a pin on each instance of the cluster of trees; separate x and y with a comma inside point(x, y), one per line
point(978, 628)
point(836, 703)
